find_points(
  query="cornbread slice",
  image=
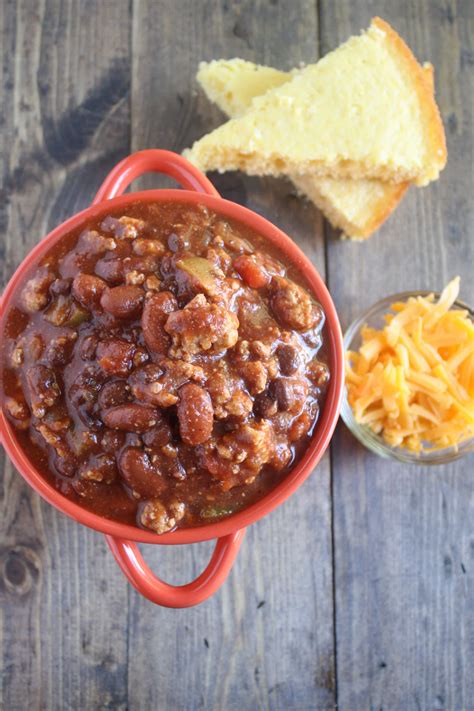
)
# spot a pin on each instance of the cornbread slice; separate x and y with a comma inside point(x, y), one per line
point(363, 111)
point(357, 207)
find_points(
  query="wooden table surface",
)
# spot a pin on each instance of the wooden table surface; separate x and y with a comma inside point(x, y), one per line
point(359, 591)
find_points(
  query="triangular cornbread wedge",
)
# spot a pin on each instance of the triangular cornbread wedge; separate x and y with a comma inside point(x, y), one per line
point(357, 207)
point(364, 110)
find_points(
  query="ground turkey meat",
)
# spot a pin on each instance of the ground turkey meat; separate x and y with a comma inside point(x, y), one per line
point(35, 293)
point(202, 326)
point(159, 518)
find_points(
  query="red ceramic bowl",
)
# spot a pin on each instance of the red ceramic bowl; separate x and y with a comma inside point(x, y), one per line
point(229, 533)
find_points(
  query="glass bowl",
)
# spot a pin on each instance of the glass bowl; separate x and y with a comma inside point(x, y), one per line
point(373, 317)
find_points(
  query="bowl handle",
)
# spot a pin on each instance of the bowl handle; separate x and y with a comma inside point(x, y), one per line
point(131, 562)
point(153, 161)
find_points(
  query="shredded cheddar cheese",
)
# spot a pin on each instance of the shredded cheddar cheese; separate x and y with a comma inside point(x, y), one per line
point(413, 381)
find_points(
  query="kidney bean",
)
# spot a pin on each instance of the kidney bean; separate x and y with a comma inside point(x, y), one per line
point(83, 395)
point(110, 269)
point(59, 350)
point(115, 356)
point(130, 417)
point(290, 393)
point(158, 436)
point(195, 414)
point(87, 289)
point(66, 465)
point(89, 415)
point(86, 385)
point(178, 242)
point(123, 301)
point(170, 463)
point(139, 473)
point(288, 358)
point(154, 316)
point(61, 287)
point(113, 393)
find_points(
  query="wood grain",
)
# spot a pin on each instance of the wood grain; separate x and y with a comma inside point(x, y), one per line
point(66, 121)
point(266, 640)
point(83, 84)
point(404, 535)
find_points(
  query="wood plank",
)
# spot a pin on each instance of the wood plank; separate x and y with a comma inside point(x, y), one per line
point(266, 640)
point(65, 122)
point(404, 536)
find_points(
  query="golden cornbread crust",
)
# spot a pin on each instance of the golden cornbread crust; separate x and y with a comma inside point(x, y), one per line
point(434, 129)
point(339, 215)
point(256, 142)
point(357, 207)
point(381, 210)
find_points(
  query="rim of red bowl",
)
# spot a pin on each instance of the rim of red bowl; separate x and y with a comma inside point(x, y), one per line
point(324, 428)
